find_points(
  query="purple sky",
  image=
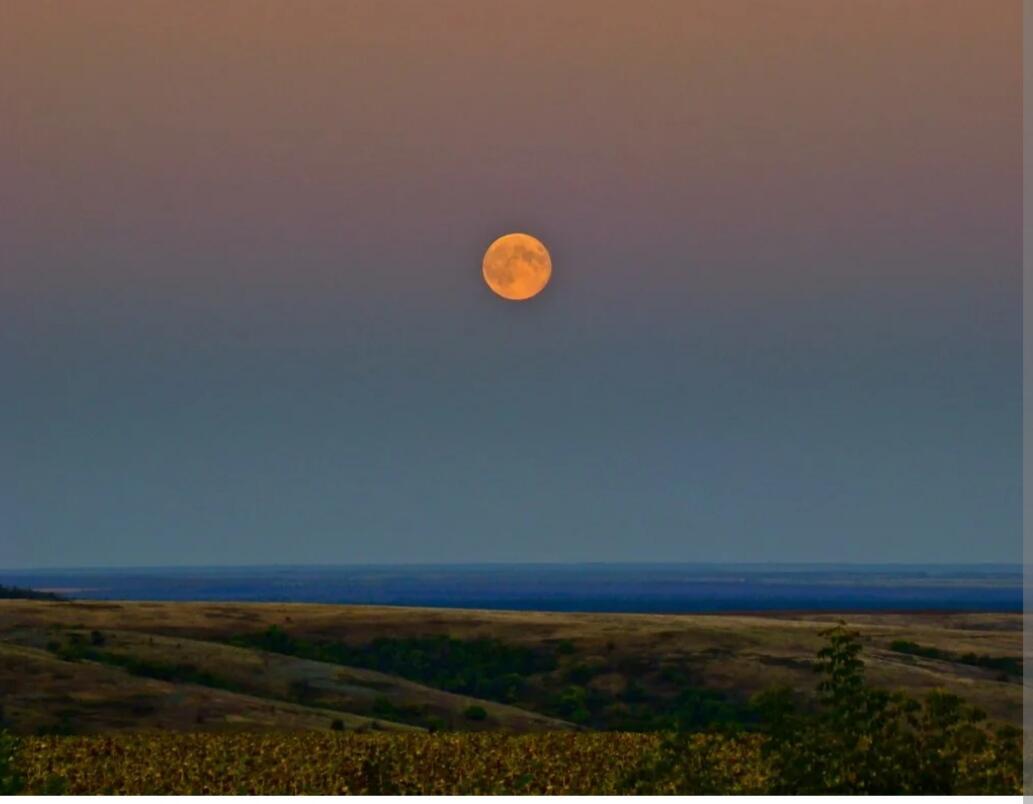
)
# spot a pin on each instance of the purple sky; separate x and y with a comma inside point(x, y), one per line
point(243, 320)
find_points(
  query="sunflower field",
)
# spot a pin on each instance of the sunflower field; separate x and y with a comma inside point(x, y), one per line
point(349, 763)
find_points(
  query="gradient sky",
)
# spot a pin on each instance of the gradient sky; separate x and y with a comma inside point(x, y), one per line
point(242, 318)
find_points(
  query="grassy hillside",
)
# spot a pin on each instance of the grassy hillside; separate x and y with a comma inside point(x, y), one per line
point(285, 678)
point(454, 669)
point(45, 695)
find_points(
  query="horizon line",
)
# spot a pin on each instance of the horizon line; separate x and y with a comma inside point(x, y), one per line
point(1017, 565)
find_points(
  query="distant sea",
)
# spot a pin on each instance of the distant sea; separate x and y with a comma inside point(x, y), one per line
point(673, 588)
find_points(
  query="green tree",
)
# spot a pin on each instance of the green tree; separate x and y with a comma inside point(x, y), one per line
point(863, 740)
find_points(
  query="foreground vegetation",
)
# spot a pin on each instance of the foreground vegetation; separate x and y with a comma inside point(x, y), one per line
point(858, 740)
point(331, 763)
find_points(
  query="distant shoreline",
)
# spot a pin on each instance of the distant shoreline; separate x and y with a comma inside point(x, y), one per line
point(764, 613)
point(613, 588)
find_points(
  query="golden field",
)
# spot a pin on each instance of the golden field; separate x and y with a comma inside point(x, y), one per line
point(455, 764)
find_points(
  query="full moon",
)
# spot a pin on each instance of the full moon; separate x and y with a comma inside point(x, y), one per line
point(517, 266)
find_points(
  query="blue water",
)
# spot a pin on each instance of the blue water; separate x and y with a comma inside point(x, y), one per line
point(563, 587)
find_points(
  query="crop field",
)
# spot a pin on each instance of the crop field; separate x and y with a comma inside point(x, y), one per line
point(311, 763)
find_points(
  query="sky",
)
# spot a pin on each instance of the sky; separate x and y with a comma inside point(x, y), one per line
point(242, 318)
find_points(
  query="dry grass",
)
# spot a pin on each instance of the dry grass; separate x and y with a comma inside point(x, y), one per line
point(42, 692)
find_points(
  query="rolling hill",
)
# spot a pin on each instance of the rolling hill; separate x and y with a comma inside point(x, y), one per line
point(81, 666)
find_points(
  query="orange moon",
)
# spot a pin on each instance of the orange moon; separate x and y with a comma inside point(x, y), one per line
point(517, 266)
